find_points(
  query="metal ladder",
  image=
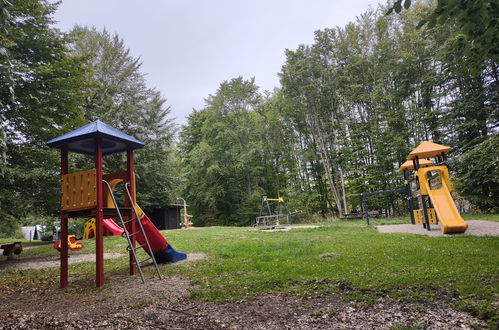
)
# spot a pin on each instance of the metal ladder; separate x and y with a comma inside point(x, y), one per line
point(140, 230)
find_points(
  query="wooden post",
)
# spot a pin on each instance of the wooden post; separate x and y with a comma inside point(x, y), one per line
point(99, 232)
point(64, 226)
point(131, 204)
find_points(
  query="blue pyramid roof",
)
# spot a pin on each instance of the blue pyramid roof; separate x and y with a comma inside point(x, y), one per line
point(82, 140)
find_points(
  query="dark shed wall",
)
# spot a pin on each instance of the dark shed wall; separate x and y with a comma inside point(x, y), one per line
point(165, 218)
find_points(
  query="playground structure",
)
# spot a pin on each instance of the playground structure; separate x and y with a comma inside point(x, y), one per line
point(110, 228)
point(275, 208)
point(429, 184)
point(89, 194)
point(365, 205)
point(11, 249)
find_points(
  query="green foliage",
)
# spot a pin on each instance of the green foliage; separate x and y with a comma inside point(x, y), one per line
point(478, 178)
point(222, 156)
point(44, 79)
point(351, 107)
point(119, 96)
point(10, 227)
point(476, 20)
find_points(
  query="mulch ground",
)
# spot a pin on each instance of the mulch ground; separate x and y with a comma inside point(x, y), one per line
point(125, 303)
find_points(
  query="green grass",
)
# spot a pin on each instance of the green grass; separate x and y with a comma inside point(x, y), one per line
point(344, 257)
point(488, 217)
point(12, 240)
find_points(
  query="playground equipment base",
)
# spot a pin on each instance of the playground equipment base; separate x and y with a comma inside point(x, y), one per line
point(476, 228)
point(169, 255)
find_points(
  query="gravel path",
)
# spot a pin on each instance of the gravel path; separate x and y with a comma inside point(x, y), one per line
point(475, 228)
point(285, 228)
point(54, 261)
point(50, 261)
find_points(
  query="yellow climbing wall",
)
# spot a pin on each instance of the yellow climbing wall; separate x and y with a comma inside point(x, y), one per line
point(78, 191)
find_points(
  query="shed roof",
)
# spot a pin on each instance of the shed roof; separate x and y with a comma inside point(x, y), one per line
point(428, 149)
point(408, 164)
point(82, 140)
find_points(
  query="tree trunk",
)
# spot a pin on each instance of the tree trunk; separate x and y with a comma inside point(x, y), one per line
point(316, 131)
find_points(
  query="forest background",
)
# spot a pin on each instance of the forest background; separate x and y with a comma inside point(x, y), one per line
point(350, 108)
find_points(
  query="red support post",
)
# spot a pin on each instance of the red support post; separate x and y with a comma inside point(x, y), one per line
point(99, 240)
point(64, 227)
point(130, 204)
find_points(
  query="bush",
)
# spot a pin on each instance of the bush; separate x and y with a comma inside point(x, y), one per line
point(10, 227)
point(477, 175)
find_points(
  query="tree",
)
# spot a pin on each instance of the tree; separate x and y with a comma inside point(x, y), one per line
point(222, 151)
point(475, 20)
point(119, 96)
point(47, 83)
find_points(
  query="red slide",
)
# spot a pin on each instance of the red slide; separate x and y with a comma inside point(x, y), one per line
point(112, 227)
point(156, 240)
point(163, 252)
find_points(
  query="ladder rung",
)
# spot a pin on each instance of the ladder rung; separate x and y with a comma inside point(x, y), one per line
point(137, 247)
point(141, 261)
point(137, 232)
point(126, 235)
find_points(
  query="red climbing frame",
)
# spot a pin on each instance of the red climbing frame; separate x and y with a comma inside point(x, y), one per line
point(95, 139)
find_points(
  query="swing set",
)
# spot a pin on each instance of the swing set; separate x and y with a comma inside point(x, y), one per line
point(277, 212)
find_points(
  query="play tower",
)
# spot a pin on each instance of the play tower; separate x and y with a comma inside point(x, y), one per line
point(430, 187)
point(89, 194)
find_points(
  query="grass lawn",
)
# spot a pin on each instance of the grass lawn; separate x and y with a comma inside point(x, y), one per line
point(346, 257)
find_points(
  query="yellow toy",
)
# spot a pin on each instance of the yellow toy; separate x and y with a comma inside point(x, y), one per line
point(73, 244)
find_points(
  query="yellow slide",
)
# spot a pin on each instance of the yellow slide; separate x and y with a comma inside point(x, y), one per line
point(448, 215)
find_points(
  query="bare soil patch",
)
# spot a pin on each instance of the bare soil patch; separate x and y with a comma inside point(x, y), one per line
point(126, 304)
point(475, 228)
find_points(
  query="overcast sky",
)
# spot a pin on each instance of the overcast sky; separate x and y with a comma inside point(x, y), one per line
point(188, 47)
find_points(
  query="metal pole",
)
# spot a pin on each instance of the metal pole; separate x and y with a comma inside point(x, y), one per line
point(365, 207)
point(409, 196)
point(130, 203)
point(268, 205)
point(185, 211)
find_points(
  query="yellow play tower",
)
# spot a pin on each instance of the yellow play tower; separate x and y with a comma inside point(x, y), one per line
point(430, 185)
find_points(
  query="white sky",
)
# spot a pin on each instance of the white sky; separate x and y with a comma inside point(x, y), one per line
point(188, 47)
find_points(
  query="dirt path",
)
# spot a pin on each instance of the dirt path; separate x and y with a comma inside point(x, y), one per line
point(270, 229)
point(475, 228)
point(54, 261)
point(50, 261)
